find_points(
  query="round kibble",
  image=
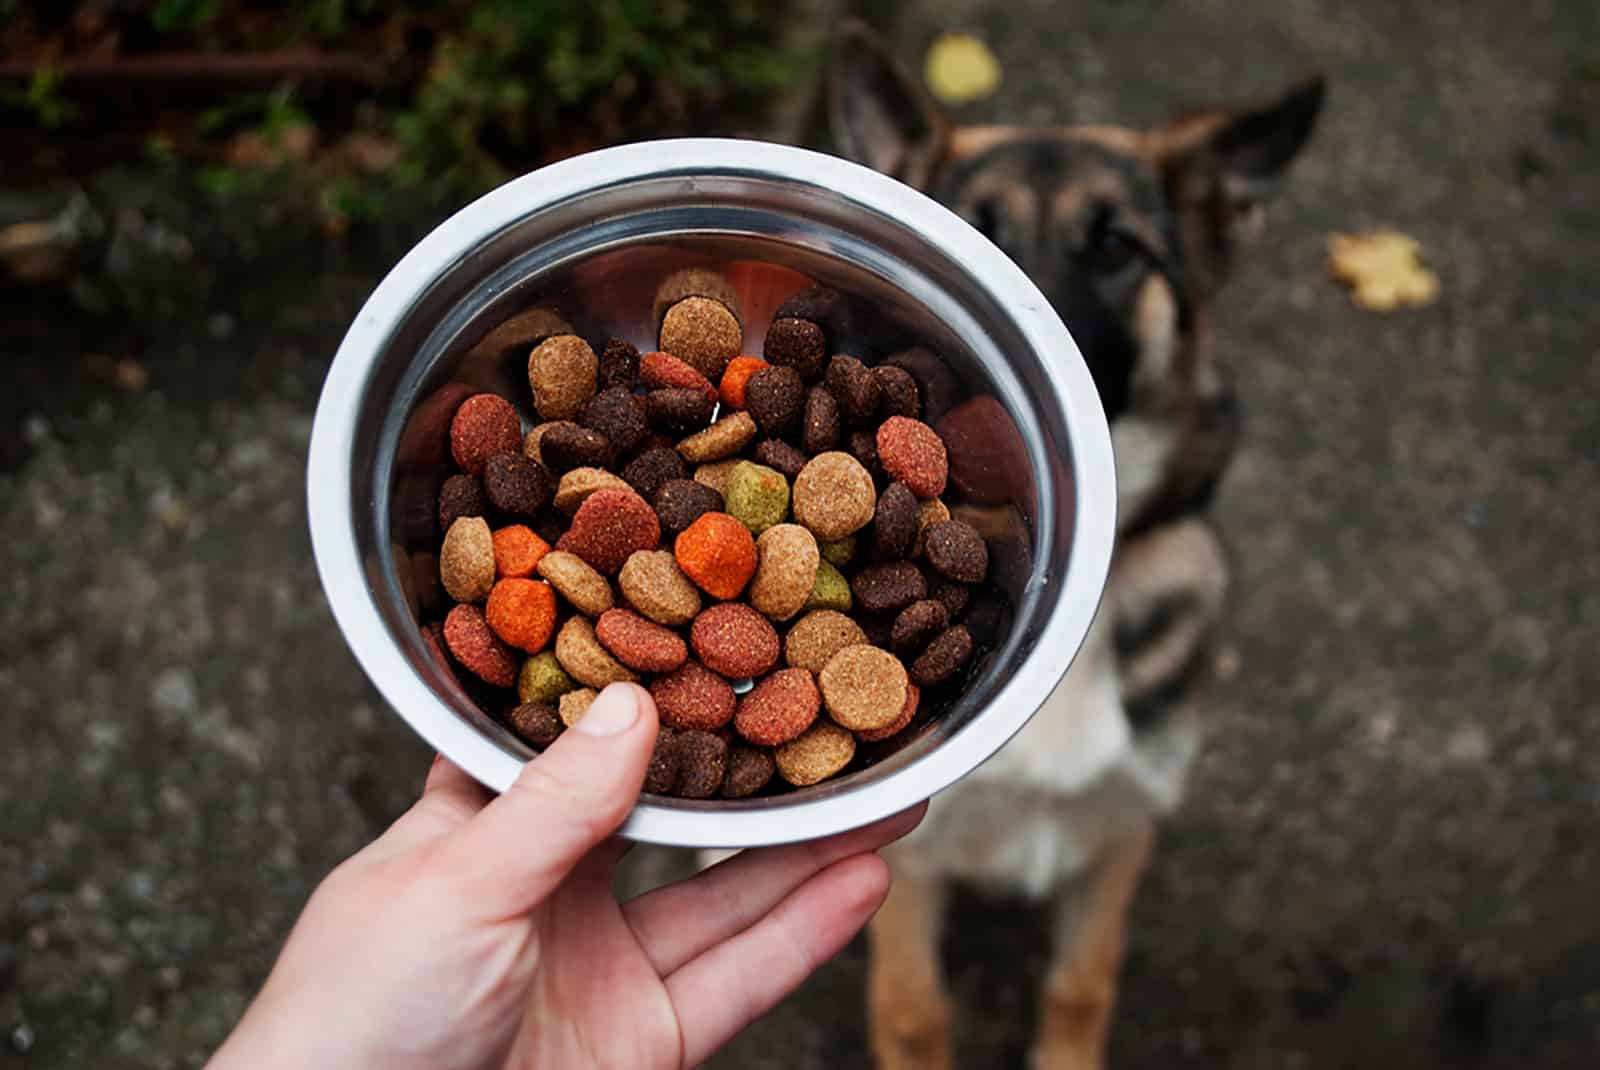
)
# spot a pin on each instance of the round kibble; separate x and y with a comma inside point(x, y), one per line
point(654, 585)
point(797, 344)
point(617, 414)
point(677, 411)
point(779, 456)
point(577, 485)
point(856, 390)
point(542, 679)
point(538, 723)
point(680, 502)
point(721, 440)
point(718, 554)
point(533, 441)
point(693, 697)
point(619, 365)
point(948, 651)
point(819, 426)
point(749, 770)
point(757, 496)
point(694, 282)
point(703, 333)
point(574, 704)
point(916, 624)
point(517, 551)
point(516, 485)
point(647, 472)
point(830, 590)
point(937, 385)
point(461, 495)
point(957, 552)
point(522, 613)
point(913, 453)
point(715, 475)
point(823, 305)
point(929, 512)
point(818, 636)
point(466, 560)
point(888, 588)
point(863, 446)
point(640, 644)
point(567, 446)
point(834, 496)
point(663, 371)
point(577, 582)
point(585, 660)
point(774, 397)
point(562, 373)
point(894, 524)
point(702, 763)
point(736, 378)
point(778, 708)
point(864, 687)
point(610, 525)
point(734, 640)
point(899, 392)
point(951, 594)
point(786, 570)
point(838, 552)
point(820, 752)
point(661, 776)
point(896, 726)
point(484, 425)
point(472, 642)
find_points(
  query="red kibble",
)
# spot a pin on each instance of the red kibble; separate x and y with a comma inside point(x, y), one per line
point(734, 640)
point(484, 425)
point(522, 613)
point(718, 554)
point(610, 525)
point(913, 453)
point(693, 697)
point(663, 371)
point(640, 644)
point(778, 708)
point(473, 643)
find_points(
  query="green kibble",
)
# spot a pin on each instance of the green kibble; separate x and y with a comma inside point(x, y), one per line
point(757, 496)
point(830, 590)
point(543, 679)
point(838, 552)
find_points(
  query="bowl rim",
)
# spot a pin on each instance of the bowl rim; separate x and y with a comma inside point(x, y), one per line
point(355, 610)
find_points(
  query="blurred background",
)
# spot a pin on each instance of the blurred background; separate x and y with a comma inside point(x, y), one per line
point(1388, 853)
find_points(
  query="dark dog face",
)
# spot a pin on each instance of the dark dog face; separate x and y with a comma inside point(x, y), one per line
point(1128, 232)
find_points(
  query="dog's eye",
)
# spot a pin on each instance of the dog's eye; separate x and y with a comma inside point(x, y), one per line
point(1110, 249)
point(989, 218)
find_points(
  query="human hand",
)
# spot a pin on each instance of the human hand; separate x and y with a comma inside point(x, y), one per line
point(483, 932)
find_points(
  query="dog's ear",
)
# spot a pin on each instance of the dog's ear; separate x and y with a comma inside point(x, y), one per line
point(881, 116)
point(1221, 168)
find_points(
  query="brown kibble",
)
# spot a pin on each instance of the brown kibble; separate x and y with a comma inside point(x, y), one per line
point(864, 687)
point(518, 334)
point(948, 651)
point(888, 588)
point(680, 502)
point(780, 457)
point(734, 640)
point(957, 552)
point(693, 697)
point(585, 659)
point(571, 706)
point(562, 373)
point(894, 524)
point(473, 643)
point(818, 636)
point(916, 625)
point(694, 282)
point(654, 585)
point(619, 365)
point(610, 525)
point(819, 429)
point(567, 446)
point(462, 495)
point(928, 512)
point(778, 708)
point(937, 384)
point(677, 411)
point(820, 752)
point(663, 371)
point(774, 398)
point(702, 763)
point(716, 474)
point(834, 496)
point(640, 644)
point(749, 770)
point(863, 446)
point(538, 723)
point(952, 595)
point(532, 442)
point(662, 774)
point(647, 472)
point(577, 582)
point(823, 305)
point(516, 485)
point(578, 484)
point(797, 344)
point(899, 392)
point(484, 425)
point(786, 569)
point(617, 415)
point(721, 440)
point(466, 560)
point(896, 726)
point(856, 390)
point(703, 333)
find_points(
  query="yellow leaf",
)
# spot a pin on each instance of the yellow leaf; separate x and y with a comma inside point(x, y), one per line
point(1383, 269)
point(960, 68)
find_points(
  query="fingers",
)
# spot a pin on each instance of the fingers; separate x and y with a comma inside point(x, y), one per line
point(678, 922)
point(565, 802)
point(734, 983)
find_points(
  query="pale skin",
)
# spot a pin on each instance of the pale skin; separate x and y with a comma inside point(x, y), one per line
point(482, 932)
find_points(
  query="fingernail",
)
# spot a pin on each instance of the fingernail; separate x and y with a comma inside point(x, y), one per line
point(613, 711)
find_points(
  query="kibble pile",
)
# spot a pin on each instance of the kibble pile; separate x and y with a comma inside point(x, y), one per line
point(759, 541)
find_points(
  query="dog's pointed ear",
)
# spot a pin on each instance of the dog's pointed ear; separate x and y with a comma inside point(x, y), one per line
point(881, 116)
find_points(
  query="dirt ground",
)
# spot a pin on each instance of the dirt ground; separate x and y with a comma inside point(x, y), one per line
point(1387, 856)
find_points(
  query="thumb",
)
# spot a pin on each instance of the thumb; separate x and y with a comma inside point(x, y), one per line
point(569, 799)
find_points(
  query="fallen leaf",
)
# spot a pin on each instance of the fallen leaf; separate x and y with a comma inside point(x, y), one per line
point(960, 68)
point(1383, 269)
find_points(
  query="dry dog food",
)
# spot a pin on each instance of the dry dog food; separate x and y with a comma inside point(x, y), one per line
point(760, 541)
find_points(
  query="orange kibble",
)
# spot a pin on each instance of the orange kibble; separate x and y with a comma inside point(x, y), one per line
point(718, 554)
point(517, 551)
point(740, 369)
point(522, 613)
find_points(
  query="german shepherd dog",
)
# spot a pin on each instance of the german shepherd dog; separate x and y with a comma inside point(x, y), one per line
point(1129, 232)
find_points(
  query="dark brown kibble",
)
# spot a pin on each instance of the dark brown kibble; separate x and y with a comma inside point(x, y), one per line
point(863, 447)
point(937, 385)
point(619, 365)
point(780, 457)
point(537, 722)
point(894, 524)
point(568, 446)
point(749, 770)
point(618, 414)
point(957, 552)
point(797, 344)
point(549, 526)
point(652, 469)
point(662, 774)
point(774, 397)
point(462, 495)
point(899, 392)
point(678, 410)
point(953, 595)
point(883, 588)
point(877, 627)
point(856, 389)
point(516, 485)
point(819, 427)
point(680, 502)
point(702, 763)
point(948, 651)
point(916, 625)
point(822, 305)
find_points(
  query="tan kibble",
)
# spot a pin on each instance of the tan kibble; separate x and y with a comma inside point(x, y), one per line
point(577, 484)
point(574, 704)
point(834, 496)
point(656, 587)
point(576, 581)
point(530, 441)
point(818, 753)
point(786, 570)
point(716, 474)
point(818, 636)
point(562, 372)
point(586, 661)
point(864, 687)
point(466, 560)
point(694, 282)
point(702, 333)
point(721, 440)
point(931, 511)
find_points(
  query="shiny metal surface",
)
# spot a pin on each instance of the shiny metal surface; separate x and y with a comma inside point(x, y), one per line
point(591, 237)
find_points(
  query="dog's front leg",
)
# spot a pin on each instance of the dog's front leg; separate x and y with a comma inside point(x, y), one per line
point(908, 1010)
point(1080, 989)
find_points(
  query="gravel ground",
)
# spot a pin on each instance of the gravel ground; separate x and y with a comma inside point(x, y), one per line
point(1387, 855)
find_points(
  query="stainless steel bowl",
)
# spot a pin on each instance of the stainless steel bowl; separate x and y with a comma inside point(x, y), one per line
point(591, 236)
